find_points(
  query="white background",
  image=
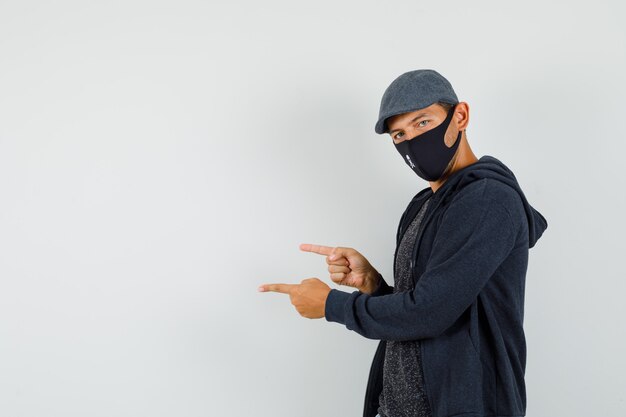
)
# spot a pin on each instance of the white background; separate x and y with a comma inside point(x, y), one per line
point(161, 159)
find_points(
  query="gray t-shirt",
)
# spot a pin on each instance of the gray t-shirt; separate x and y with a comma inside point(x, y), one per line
point(403, 393)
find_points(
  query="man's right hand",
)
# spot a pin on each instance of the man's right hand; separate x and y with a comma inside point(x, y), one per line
point(347, 267)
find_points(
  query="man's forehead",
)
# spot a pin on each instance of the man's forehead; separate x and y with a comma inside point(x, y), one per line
point(400, 118)
point(409, 114)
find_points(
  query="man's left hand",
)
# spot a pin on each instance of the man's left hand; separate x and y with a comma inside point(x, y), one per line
point(308, 297)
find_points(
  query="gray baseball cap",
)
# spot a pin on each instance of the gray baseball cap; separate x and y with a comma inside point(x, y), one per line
point(412, 91)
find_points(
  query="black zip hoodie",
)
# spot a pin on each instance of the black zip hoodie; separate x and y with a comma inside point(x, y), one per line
point(467, 307)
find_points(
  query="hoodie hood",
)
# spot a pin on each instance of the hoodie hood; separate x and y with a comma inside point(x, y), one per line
point(490, 167)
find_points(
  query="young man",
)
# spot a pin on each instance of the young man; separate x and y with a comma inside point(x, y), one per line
point(451, 328)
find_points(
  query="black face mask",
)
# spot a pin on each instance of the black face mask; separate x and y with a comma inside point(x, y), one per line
point(427, 154)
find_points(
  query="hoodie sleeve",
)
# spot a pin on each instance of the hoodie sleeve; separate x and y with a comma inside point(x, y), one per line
point(475, 235)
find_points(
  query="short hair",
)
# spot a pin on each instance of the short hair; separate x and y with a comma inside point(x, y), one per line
point(446, 106)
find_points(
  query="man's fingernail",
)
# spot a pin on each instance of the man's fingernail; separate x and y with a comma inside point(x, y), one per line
point(262, 289)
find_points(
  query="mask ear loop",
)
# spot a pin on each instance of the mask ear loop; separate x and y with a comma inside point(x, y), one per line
point(452, 109)
point(458, 137)
point(450, 115)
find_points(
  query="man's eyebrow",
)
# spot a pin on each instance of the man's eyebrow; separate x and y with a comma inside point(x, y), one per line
point(414, 119)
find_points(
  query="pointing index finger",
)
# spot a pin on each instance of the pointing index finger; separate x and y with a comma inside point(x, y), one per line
point(322, 250)
point(284, 288)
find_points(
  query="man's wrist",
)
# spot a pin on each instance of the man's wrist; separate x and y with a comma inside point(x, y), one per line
point(374, 282)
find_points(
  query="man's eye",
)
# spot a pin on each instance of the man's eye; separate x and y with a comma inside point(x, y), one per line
point(396, 136)
point(423, 121)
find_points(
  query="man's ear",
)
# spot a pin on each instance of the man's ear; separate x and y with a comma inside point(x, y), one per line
point(461, 115)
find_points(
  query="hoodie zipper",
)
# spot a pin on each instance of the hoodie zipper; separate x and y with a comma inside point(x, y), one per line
point(432, 205)
point(427, 217)
point(399, 239)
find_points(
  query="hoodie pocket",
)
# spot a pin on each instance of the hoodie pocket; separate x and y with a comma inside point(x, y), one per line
point(487, 377)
